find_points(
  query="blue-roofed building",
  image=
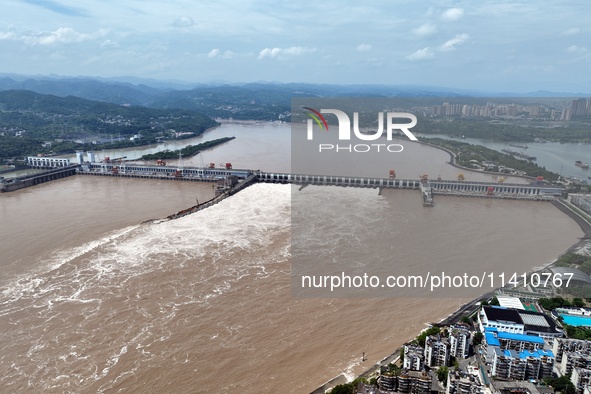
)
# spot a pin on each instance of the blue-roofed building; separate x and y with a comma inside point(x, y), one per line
point(517, 356)
point(490, 343)
point(509, 341)
point(491, 339)
point(519, 341)
point(524, 365)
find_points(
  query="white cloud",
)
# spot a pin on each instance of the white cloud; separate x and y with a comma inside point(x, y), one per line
point(109, 44)
point(280, 52)
point(577, 49)
point(421, 54)
point(63, 35)
point(183, 21)
point(228, 55)
point(452, 14)
point(450, 45)
point(213, 53)
point(7, 35)
point(268, 52)
point(425, 30)
point(363, 47)
point(293, 51)
point(571, 32)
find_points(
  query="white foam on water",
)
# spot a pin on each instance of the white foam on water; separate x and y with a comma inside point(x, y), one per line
point(80, 281)
point(317, 210)
point(349, 372)
point(32, 282)
point(235, 224)
point(66, 256)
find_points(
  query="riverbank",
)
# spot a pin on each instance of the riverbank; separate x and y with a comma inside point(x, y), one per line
point(580, 220)
point(470, 307)
point(466, 309)
point(187, 151)
point(452, 162)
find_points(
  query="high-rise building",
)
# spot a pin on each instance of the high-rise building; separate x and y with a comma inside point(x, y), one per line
point(436, 351)
point(579, 107)
point(459, 341)
point(414, 358)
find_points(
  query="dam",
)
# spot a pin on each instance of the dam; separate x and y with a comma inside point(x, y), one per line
point(227, 178)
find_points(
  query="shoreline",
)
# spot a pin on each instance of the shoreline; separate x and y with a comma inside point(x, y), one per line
point(452, 162)
point(467, 308)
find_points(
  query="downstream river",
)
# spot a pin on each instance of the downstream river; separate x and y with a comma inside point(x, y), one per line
point(94, 300)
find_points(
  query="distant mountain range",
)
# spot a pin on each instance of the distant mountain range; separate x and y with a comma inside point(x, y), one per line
point(260, 100)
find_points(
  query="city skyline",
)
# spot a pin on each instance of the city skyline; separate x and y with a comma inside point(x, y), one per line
point(507, 46)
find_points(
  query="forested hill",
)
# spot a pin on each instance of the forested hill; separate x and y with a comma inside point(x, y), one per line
point(260, 101)
point(90, 89)
point(29, 120)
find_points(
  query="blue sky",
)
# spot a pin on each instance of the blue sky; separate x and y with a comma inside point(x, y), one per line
point(513, 46)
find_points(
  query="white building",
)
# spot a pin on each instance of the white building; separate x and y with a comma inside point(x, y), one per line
point(414, 358)
point(581, 378)
point(436, 351)
point(506, 320)
point(52, 162)
point(517, 321)
point(525, 365)
point(459, 341)
point(572, 360)
point(563, 345)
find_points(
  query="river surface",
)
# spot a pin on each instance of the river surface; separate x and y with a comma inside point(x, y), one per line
point(94, 300)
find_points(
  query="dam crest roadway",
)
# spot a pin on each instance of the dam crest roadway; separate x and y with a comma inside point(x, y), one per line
point(226, 180)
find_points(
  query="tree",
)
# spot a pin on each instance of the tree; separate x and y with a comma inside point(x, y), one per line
point(466, 319)
point(393, 369)
point(494, 301)
point(477, 339)
point(553, 303)
point(346, 388)
point(578, 302)
point(442, 374)
point(423, 336)
point(562, 384)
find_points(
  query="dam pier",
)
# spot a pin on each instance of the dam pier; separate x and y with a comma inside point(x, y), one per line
point(227, 180)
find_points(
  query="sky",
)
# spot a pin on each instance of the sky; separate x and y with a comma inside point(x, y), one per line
point(495, 46)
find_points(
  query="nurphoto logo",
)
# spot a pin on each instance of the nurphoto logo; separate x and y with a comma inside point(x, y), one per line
point(344, 130)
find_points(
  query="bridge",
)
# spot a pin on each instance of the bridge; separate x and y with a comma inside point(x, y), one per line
point(539, 191)
point(230, 179)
